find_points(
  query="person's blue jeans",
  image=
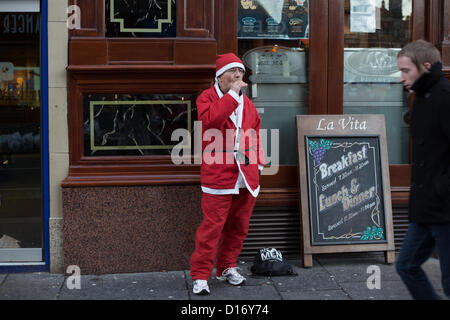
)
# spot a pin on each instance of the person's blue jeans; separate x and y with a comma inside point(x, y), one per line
point(420, 242)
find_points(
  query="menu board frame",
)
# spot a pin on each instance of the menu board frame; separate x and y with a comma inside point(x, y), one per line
point(360, 127)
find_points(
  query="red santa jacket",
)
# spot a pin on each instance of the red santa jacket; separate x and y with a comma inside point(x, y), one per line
point(228, 163)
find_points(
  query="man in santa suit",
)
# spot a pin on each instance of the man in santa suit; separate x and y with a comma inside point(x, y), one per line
point(231, 163)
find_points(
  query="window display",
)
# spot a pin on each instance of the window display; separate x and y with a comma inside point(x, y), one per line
point(127, 124)
point(134, 18)
point(275, 19)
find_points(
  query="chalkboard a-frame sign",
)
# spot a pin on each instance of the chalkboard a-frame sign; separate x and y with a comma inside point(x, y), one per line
point(345, 197)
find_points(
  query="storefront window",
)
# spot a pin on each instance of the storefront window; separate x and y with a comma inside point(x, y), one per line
point(136, 18)
point(273, 44)
point(21, 222)
point(135, 125)
point(375, 30)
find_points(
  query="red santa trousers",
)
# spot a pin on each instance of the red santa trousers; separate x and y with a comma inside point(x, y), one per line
point(225, 217)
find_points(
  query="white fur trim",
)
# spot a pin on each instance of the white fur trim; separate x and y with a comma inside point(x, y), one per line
point(235, 96)
point(220, 191)
point(228, 67)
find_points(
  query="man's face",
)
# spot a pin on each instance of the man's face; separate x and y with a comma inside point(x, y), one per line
point(228, 77)
point(409, 72)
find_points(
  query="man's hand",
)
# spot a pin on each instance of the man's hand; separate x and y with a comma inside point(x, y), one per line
point(238, 85)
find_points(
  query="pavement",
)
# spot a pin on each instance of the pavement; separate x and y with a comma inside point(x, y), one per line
point(332, 277)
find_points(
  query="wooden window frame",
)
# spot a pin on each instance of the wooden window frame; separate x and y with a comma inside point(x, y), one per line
point(98, 64)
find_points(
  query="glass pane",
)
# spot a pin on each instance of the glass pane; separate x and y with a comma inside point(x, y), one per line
point(135, 125)
point(273, 44)
point(20, 153)
point(140, 18)
point(274, 19)
point(375, 30)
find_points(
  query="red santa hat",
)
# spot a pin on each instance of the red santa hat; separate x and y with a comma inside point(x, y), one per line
point(226, 62)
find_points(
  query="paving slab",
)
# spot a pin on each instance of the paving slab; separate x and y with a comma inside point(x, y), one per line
point(256, 287)
point(252, 280)
point(139, 286)
point(316, 278)
point(359, 270)
point(2, 278)
point(315, 295)
point(31, 286)
point(390, 290)
point(245, 292)
point(433, 269)
point(440, 292)
point(332, 277)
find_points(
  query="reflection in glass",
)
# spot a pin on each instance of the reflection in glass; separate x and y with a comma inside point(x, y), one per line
point(277, 74)
point(139, 18)
point(275, 19)
point(20, 153)
point(273, 44)
point(375, 30)
point(135, 125)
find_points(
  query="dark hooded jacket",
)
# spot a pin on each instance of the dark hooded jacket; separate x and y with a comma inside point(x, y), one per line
point(429, 200)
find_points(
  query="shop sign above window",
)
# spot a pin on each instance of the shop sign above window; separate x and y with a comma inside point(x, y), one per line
point(273, 19)
point(140, 18)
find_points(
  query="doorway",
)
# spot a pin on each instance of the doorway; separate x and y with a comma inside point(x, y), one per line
point(21, 192)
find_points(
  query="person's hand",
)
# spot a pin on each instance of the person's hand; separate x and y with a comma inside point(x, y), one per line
point(238, 85)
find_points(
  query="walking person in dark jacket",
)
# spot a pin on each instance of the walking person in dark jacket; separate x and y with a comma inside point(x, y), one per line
point(429, 202)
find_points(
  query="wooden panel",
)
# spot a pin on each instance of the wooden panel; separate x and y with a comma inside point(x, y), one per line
point(400, 196)
point(75, 117)
point(195, 18)
point(433, 21)
point(163, 51)
point(445, 33)
point(87, 51)
point(336, 58)
point(285, 197)
point(418, 20)
point(286, 177)
point(400, 174)
point(101, 51)
point(194, 14)
point(318, 70)
point(138, 51)
point(277, 197)
point(225, 26)
point(195, 52)
point(446, 55)
point(92, 18)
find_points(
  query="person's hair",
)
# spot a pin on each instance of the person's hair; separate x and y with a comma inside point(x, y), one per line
point(420, 51)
